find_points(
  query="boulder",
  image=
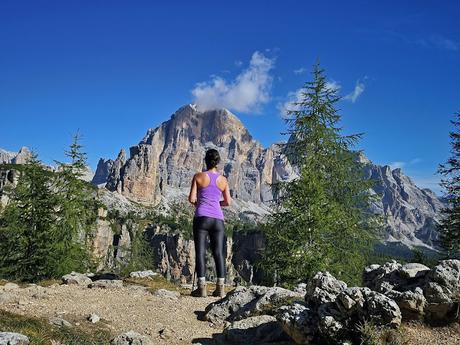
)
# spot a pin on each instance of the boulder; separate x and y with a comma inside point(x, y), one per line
point(323, 288)
point(60, 322)
point(10, 287)
point(299, 322)
point(10, 338)
point(76, 278)
point(447, 275)
point(131, 338)
point(411, 303)
point(262, 329)
point(244, 301)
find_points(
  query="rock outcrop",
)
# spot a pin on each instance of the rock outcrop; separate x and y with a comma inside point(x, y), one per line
point(421, 293)
point(328, 312)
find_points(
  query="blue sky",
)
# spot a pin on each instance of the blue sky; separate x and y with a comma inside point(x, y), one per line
point(114, 69)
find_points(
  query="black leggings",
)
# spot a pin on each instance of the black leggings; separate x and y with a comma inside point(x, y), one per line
point(215, 228)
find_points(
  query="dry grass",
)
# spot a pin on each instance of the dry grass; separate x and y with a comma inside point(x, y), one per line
point(40, 332)
point(422, 334)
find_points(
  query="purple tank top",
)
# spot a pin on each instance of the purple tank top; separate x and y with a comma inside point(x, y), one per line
point(208, 199)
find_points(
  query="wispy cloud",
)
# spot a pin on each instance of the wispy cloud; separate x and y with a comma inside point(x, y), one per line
point(402, 164)
point(434, 41)
point(358, 90)
point(300, 70)
point(438, 41)
point(246, 93)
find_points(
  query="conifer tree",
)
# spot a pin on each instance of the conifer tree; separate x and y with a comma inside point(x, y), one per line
point(78, 207)
point(449, 227)
point(321, 219)
point(27, 226)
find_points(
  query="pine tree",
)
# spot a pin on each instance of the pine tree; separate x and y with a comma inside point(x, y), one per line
point(321, 219)
point(78, 208)
point(449, 227)
point(27, 226)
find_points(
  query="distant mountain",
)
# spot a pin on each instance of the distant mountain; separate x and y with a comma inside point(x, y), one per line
point(159, 170)
point(7, 157)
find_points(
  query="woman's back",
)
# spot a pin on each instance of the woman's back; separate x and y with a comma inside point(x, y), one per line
point(208, 196)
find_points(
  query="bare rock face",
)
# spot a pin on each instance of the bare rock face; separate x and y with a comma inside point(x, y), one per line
point(102, 171)
point(175, 257)
point(411, 213)
point(168, 156)
point(159, 170)
point(6, 157)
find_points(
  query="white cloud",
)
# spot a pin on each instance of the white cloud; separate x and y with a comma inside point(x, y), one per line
point(401, 164)
point(292, 97)
point(333, 85)
point(396, 165)
point(246, 93)
point(300, 70)
point(359, 89)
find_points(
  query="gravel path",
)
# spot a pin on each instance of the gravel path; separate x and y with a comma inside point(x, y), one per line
point(164, 320)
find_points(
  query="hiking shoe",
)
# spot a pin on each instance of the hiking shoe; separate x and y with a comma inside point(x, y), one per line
point(219, 291)
point(200, 291)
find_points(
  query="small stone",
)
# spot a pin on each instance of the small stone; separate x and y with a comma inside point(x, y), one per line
point(131, 338)
point(57, 321)
point(76, 278)
point(93, 318)
point(143, 274)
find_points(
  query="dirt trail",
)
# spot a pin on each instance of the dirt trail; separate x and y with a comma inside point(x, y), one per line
point(122, 309)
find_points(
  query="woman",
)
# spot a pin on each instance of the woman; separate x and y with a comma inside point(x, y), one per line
point(205, 194)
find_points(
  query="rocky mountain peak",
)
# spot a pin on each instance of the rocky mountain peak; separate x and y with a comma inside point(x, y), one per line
point(161, 167)
point(21, 157)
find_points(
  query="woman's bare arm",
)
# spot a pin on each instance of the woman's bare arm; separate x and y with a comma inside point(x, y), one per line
point(193, 191)
point(227, 198)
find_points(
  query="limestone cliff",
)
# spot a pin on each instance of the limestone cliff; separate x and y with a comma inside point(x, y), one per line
point(159, 169)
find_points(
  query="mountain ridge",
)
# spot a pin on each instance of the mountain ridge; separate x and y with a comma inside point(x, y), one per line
point(160, 167)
